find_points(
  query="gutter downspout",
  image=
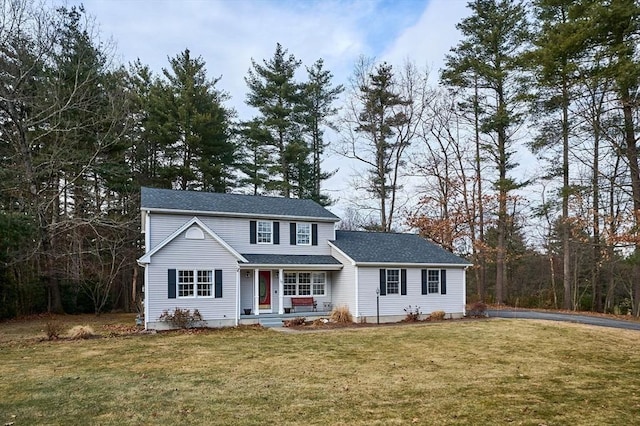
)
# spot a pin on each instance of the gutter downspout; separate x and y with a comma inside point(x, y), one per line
point(147, 249)
point(357, 293)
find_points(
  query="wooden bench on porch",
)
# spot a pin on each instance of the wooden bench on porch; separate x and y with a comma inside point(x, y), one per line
point(303, 301)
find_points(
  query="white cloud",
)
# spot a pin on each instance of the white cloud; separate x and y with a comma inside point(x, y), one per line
point(430, 39)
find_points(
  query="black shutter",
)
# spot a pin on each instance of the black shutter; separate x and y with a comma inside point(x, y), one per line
point(403, 282)
point(425, 288)
point(293, 237)
point(276, 232)
point(252, 232)
point(383, 282)
point(218, 283)
point(314, 234)
point(443, 281)
point(172, 284)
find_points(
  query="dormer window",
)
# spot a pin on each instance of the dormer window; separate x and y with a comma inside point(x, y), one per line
point(265, 232)
point(303, 234)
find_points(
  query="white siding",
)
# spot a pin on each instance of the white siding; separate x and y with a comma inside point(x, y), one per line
point(246, 291)
point(163, 225)
point(394, 304)
point(344, 284)
point(235, 232)
point(182, 253)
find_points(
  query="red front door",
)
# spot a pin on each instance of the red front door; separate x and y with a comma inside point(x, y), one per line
point(264, 288)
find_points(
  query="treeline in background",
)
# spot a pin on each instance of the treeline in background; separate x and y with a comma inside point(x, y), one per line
point(559, 80)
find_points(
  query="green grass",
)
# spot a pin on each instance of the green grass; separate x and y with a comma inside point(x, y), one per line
point(454, 372)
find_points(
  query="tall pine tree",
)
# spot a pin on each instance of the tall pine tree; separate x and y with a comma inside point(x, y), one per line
point(489, 55)
point(275, 93)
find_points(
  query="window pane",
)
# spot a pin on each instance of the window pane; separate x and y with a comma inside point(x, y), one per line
point(304, 289)
point(304, 277)
point(185, 283)
point(318, 289)
point(303, 233)
point(290, 277)
point(434, 281)
point(205, 283)
point(289, 289)
point(393, 281)
point(264, 232)
point(318, 277)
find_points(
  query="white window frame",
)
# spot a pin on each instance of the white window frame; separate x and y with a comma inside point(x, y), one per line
point(190, 282)
point(311, 282)
point(303, 234)
point(319, 283)
point(262, 233)
point(436, 273)
point(290, 286)
point(304, 282)
point(204, 283)
point(395, 282)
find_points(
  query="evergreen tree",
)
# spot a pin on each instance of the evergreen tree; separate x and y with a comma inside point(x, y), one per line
point(490, 55)
point(276, 94)
point(554, 63)
point(256, 144)
point(319, 97)
point(379, 117)
point(611, 29)
point(195, 134)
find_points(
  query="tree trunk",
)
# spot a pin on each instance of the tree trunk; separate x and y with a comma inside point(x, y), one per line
point(566, 226)
point(632, 159)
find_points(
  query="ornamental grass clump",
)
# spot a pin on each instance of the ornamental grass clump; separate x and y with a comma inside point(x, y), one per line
point(341, 314)
point(79, 332)
point(437, 315)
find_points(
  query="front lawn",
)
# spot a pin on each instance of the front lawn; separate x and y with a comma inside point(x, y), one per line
point(454, 372)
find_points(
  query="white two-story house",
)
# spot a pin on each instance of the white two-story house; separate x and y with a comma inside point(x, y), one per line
point(240, 258)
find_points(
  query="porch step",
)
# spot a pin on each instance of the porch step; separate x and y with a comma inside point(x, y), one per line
point(271, 322)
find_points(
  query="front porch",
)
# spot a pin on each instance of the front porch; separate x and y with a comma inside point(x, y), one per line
point(268, 286)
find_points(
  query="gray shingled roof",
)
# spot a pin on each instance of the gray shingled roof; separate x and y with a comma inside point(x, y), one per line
point(153, 198)
point(290, 259)
point(379, 247)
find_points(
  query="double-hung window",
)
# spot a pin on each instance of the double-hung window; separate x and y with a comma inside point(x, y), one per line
point(205, 283)
point(304, 283)
point(195, 283)
point(393, 281)
point(433, 280)
point(185, 283)
point(303, 234)
point(265, 232)
point(319, 280)
point(290, 280)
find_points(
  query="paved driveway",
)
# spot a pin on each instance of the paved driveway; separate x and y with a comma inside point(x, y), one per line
point(553, 316)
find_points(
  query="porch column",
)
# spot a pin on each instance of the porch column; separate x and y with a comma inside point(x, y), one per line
point(237, 315)
point(256, 292)
point(280, 292)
